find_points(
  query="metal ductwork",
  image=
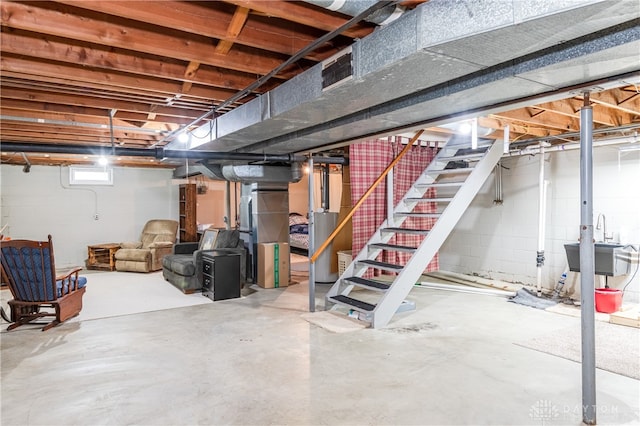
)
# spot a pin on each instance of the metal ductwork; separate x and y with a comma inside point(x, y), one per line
point(253, 173)
point(383, 16)
point(441, 61)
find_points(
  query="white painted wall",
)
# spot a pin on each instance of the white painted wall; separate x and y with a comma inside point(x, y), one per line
point(500, 241)
point(41, 202)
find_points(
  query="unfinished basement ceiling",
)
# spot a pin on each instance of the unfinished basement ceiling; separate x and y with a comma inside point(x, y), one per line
point(139, 73)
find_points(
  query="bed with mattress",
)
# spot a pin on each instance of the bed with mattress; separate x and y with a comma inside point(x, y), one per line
point(298, 232)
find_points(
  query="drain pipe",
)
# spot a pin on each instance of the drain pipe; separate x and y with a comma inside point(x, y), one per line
point(587, 265)
point(498, 200)
point(352, 8)
point(542, 210)
point(619, 140)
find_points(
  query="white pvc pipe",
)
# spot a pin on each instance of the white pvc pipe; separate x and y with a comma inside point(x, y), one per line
point(542, 185)
point(569, 146)
point(465, 289)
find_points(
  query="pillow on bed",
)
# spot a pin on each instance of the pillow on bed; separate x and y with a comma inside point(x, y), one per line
point(297, 219)
point(300, 228)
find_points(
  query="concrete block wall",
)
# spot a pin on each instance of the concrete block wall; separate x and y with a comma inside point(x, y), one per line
point(41, 202)
point(500, 240)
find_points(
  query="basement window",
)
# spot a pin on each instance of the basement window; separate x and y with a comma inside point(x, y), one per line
point(90, 176)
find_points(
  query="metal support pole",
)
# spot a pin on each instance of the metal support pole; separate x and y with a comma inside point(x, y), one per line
point(227, 207)
point(587, 265)
point(312, 242)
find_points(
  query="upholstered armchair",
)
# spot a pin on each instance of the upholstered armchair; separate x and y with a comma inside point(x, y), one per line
point(183, 268)
point(157, 240)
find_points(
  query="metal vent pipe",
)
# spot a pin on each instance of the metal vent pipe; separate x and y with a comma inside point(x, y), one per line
point(161, 153)
point(355, 7)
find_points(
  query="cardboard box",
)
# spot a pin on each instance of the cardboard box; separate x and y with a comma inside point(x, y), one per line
point(273, 265)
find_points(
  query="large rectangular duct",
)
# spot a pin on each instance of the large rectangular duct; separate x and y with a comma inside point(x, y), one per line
point(442, 58)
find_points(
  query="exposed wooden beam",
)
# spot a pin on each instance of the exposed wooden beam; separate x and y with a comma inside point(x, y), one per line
point(624, 99)
point(305, 14)
point(95, 56)
point(89, 78)
point(191, 70)
point(203, 19)
point(602, 114)
point(41, 109)
point(32, 135)
point(70, 129)
point(235, 26)
point(92, 102)
point(59, 21)
point(528, 119)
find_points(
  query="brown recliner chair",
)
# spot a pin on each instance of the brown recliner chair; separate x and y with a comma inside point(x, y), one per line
point(157, 240)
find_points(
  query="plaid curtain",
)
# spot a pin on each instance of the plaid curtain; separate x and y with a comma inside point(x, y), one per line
point(367, 162)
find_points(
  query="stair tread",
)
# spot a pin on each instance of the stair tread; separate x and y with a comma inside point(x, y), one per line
point(406, 231)
point(382, 265)
point(431, 200)
point(438, 184)
point(359, 304)
point(434, 215)
point(451, 171)
point(392, 247)
point(474, 156)
point(368, 283)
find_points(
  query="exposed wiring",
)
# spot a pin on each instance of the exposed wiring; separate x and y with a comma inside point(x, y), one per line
point(95, 194)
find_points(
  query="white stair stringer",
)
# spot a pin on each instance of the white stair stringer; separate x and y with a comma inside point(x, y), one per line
point(394, 293)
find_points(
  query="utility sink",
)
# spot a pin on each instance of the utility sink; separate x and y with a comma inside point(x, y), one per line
point(610, 258)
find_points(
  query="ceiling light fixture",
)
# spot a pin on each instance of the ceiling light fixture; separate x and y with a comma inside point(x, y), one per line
point(103, 161)
point(465, 128)
point(183, 137)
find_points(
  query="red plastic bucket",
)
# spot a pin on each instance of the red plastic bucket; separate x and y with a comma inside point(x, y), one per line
point(608, 300)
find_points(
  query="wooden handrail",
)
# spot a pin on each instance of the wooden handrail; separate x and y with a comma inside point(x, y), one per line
point(364, 197)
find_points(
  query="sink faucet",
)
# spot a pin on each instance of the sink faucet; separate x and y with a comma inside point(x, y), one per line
point(602, 224)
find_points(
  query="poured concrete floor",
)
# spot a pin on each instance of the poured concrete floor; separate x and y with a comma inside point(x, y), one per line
point(255, 361)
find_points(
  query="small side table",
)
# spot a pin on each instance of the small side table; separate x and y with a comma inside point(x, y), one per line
point(220, 275)
point(102, 256)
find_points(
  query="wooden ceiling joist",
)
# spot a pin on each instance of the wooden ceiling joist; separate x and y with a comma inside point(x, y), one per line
point(101, 58)
point(235, 26)
point(59, 21)
point(198, 18)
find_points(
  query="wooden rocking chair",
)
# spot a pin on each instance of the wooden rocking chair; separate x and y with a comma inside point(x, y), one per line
point(33, 282)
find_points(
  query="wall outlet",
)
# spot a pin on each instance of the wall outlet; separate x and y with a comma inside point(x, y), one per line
point(95, 216)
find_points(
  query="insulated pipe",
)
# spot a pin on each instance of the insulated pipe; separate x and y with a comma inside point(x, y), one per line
point(587, 265)
point(354, 7)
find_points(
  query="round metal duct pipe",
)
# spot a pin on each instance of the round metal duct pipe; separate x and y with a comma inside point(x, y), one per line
point(250, 173)
point(354, 7)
